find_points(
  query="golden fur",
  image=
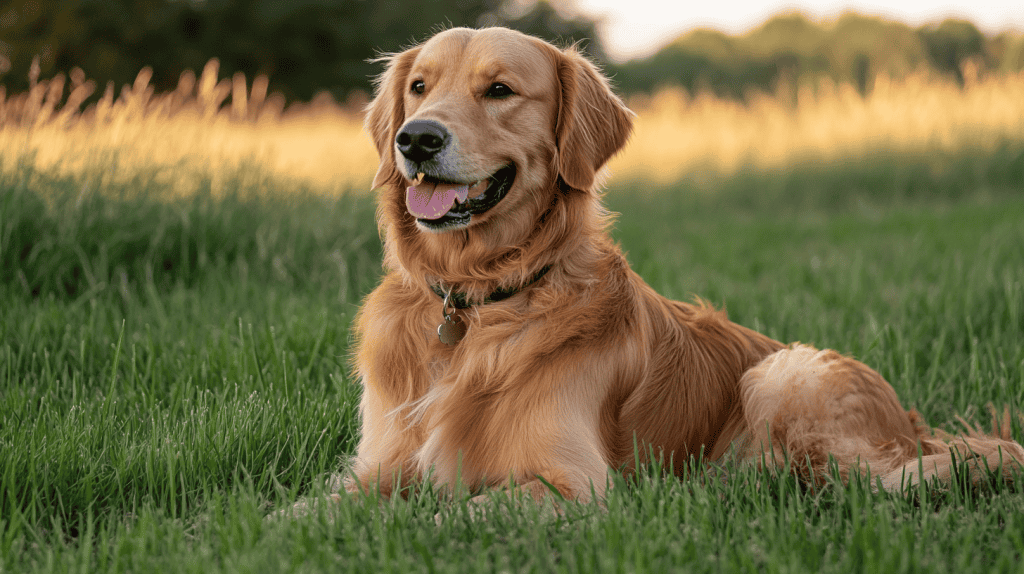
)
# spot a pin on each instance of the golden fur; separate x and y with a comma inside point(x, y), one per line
point(561, 380)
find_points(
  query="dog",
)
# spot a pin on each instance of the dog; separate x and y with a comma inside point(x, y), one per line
point(510, 345)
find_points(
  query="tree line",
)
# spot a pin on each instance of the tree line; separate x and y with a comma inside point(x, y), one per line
point(305, 46)
point(790, 49)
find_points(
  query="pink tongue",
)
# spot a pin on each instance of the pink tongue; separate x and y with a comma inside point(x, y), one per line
point(432, 200)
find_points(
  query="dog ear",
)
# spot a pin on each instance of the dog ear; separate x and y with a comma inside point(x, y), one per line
point(386, 113)
point(593, 123)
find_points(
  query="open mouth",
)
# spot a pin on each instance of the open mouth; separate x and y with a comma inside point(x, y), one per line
point(443, 205)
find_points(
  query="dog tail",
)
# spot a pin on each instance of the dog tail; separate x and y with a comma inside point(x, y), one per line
point(972, 456)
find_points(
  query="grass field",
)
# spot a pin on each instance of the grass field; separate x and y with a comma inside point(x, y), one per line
point(701, 138)
point(173, 368)
point(177, 282)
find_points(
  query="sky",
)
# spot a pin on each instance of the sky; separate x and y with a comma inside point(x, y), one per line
point(638, 28)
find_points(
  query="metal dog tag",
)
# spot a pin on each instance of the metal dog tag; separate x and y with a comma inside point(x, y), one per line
point(452, 330)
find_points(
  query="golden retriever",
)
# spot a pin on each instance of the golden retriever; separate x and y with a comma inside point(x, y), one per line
point(509, 343)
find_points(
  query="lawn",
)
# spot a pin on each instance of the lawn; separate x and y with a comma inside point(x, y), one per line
point(174, 368)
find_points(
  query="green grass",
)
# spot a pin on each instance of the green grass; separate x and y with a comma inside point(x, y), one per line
point(172, 370)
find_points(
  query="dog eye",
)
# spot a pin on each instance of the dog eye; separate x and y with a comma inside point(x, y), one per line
point(418, 86)
point(499, 91)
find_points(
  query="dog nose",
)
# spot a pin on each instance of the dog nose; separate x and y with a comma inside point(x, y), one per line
point(420, 140)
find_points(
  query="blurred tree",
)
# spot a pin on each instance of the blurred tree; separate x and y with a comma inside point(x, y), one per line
point(789, 50)
point(952, 42)
point(1008, 52)
point(30, 28)
point(309, 45)
point(859, 48)
point(700, 60)
point(303, 45)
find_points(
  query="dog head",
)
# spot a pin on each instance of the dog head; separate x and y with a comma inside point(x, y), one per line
point(477, 130)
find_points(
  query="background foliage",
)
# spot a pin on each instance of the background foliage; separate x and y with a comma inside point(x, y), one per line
point(791, 49)
point(309, 45)
point(303, 45)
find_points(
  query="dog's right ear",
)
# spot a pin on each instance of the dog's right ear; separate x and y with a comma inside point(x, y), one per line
point(386, 113)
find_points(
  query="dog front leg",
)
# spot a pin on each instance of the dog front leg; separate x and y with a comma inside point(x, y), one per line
point(383, 462)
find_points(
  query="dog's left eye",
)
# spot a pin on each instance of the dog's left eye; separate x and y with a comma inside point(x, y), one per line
point(499, 91)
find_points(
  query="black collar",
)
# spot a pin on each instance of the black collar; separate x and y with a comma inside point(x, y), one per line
point(459, 300)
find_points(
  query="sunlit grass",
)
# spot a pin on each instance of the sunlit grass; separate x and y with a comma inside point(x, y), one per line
point(194, 133)
point(189, 131)
point(924, 117)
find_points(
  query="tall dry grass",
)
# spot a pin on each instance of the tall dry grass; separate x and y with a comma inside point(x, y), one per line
point(209, 127)
point(923, 115)
point(206, 128)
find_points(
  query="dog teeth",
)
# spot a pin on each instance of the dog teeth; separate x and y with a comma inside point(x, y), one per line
point(478, 187)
